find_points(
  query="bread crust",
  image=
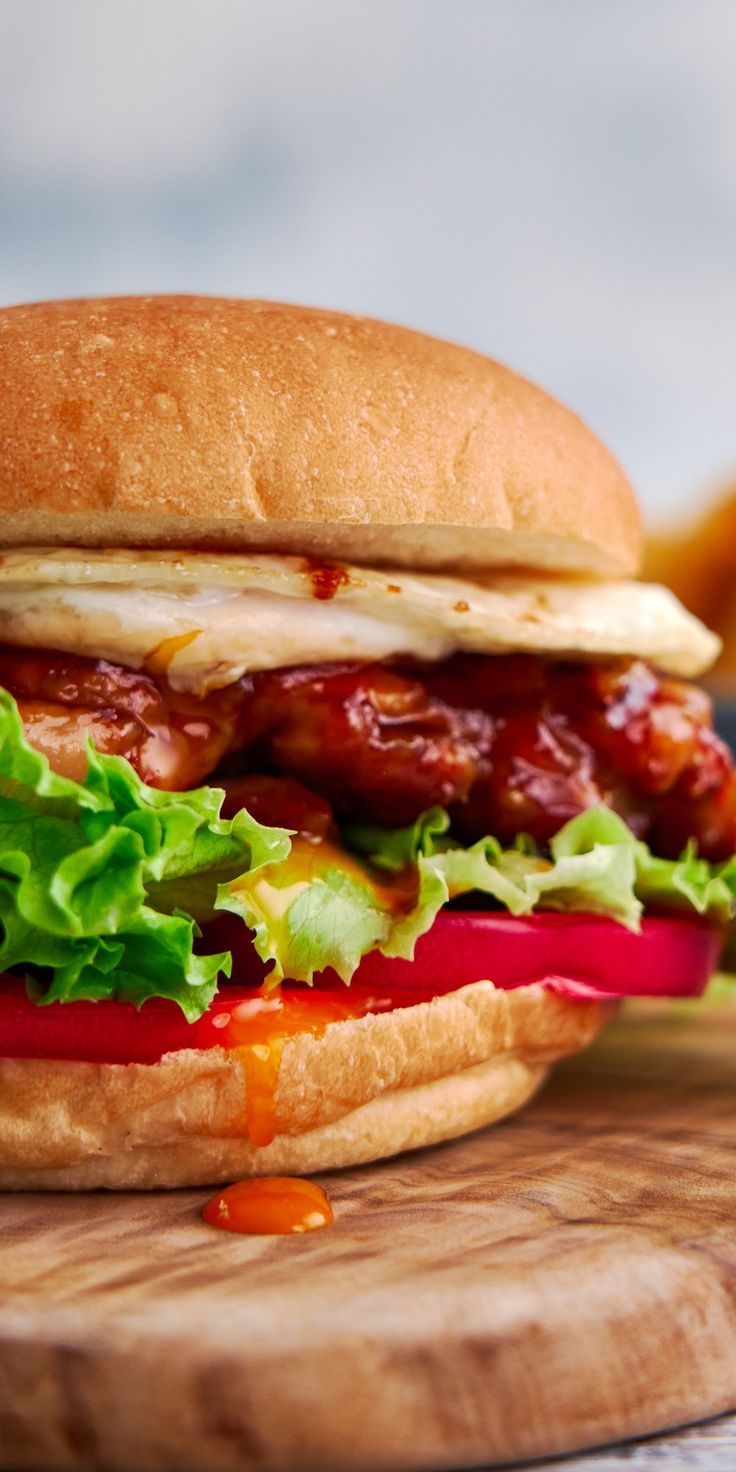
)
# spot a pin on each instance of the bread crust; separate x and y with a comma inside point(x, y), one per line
point(367, 1088)
point(201, 422)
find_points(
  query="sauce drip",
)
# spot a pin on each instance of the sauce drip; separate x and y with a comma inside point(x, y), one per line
point(270, 1206)
point(326, 578)
point(256, 1030)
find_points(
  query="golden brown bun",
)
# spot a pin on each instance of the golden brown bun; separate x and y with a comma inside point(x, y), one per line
point(366, 1089)
point(199, 422)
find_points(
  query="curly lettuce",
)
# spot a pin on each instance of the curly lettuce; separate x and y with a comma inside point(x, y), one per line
point(102, 882)
point(343, 910)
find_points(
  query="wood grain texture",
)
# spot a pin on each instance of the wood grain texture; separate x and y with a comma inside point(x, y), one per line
point(560, 1281)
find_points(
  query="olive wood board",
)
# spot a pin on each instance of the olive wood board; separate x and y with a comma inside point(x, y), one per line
point(559, 1281)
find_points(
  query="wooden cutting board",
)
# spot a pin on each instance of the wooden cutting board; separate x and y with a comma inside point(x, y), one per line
point(555, 1282)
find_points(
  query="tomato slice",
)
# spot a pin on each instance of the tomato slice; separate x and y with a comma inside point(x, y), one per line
point(115, 1032)
point(583, 956)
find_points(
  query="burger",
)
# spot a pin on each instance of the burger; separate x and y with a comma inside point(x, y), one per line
point(347, 780)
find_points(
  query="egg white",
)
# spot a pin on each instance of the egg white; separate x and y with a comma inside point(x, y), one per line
point(208, 619)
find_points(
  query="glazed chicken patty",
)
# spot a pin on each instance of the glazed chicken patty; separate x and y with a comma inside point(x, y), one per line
point(509, 744)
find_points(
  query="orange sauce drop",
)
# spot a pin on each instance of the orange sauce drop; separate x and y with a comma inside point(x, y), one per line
point(270, 1206)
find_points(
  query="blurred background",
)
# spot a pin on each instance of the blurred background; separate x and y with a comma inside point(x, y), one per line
point(551, 181)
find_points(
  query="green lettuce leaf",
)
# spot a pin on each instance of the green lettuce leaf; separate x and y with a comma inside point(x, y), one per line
point(687, 883)
point(302, 925)
point(102, 882)
point(596, 865)
point(341, 911)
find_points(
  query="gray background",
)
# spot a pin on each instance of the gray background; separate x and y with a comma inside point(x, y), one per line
point(552, 181)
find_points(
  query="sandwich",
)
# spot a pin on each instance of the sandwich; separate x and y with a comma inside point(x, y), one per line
point(347, 778)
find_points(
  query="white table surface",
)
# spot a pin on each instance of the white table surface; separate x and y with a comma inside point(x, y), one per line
point(709, 1447)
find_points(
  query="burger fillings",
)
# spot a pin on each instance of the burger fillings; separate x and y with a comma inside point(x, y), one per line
point(408, 759)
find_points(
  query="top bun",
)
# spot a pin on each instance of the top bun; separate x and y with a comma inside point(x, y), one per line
point(200, 422)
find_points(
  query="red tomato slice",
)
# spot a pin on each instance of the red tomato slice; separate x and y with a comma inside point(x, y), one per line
point(580, 955)
point(587, 955)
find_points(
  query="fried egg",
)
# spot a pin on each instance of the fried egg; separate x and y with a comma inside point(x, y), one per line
point(207, 619)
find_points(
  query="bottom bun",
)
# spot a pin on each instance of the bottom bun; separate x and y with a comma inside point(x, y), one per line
point(367, 1088)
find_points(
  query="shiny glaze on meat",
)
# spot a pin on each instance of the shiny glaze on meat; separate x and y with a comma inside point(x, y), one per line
point(509, 743)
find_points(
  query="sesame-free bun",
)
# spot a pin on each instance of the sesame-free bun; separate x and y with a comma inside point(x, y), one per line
point(200, 422)
point(366, 1089)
